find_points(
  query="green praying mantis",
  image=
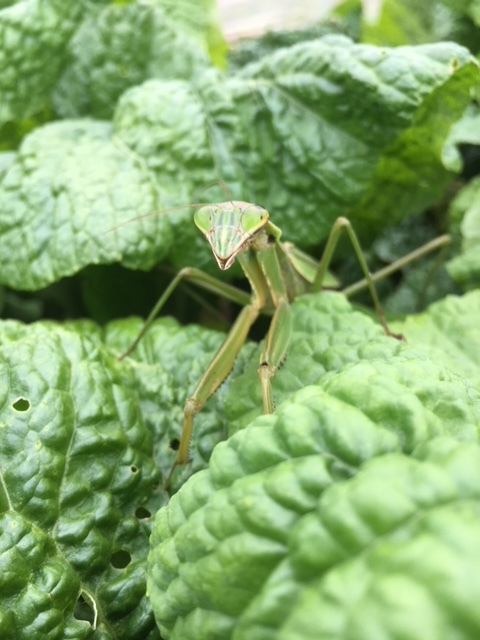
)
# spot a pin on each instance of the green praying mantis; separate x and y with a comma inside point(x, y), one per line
point(277, 272)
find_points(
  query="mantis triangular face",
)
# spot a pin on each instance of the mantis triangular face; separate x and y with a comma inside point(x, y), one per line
point(229, 228)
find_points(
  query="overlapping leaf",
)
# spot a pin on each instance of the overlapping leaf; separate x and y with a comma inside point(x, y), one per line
point(62, 196)
point(351, 512)
point(314, 131)
point(81, 433)
point(83, 55)
point(465, 215)
point(123, 45)
point(317, 519)
point(34, 37)
point(77, 489)
point(286, 131)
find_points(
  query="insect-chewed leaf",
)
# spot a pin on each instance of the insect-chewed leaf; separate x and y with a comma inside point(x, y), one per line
point(77, 480)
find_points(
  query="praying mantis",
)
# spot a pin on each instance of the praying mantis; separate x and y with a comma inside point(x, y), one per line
point(277, 272)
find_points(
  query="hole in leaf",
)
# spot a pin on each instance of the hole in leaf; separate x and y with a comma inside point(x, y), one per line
point(86, 609)
point(134, 469)
point(142, 514)
point(120, 559)
point(21, 404)
point(174, 443)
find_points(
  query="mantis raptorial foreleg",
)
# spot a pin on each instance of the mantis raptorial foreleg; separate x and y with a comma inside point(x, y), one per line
point(203, 280)
point(213, 377)
point(277, 273)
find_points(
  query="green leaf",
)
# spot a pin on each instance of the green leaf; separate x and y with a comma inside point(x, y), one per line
point(376, 158)
point(84, 440)
point(328, 336)
point(34, 37)
point(465, 216)
point(69, 186)
point(264, 164)
point(77, 481)
point(334, 498)
point(402, 22)
point(81, 56)
point(249, 50)
point(464, 132)
point(448, 334)
point(201, 20)
point(124, 44)
point(168, 365)
point(316, 540)
point(352, 510)
point(264, 130)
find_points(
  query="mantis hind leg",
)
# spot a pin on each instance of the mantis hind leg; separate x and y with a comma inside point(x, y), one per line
point(439, 244)
point(343, 225)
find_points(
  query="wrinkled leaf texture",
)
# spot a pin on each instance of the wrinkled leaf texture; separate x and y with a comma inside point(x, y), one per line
point(375, 484)
point(318, 130)
point(79, 56)
point(352, 512)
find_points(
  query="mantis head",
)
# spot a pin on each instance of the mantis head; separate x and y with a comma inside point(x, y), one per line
point(230, 227)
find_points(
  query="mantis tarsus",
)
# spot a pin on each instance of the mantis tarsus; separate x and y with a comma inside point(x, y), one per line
point(277, 273)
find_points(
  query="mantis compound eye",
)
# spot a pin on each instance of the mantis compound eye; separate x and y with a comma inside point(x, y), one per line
point(203, 218)
point(254, 218)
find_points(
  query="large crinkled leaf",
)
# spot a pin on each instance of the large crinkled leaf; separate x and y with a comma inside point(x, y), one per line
point(77, 489)
point(70, 184)
point(325, 128)
point(84, 449)
point(362, 147)
point(181, 354)
point(141, 40)
point(327, 336)
point(313, 523)
point(34, 35)
point(81, 55)
point(288, 508)
point(286, 133)
point(448, 334)
point(72, 411)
